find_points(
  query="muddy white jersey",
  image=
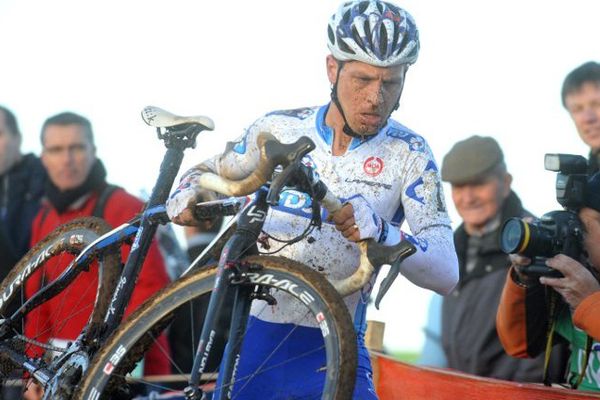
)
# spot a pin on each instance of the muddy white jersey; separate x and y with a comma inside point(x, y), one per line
point(394, 171)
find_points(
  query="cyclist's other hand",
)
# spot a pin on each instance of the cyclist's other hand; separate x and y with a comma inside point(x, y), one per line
point(180, 205)
point(345, 223)
point(357, 221)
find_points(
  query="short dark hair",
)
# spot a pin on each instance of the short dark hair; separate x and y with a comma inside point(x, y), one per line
point(69, 118)
point(588, 72)
point(11, 121)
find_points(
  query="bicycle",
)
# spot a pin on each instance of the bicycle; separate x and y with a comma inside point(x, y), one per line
point(99, 362)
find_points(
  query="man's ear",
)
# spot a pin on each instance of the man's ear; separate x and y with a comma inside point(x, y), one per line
point(507, 182)
point(43, 159)
point(332, 68)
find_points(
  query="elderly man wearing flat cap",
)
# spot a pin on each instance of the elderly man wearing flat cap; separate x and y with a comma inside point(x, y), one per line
point(482, 195)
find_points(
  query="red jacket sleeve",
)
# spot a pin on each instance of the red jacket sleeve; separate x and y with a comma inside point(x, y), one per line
point(587, 315)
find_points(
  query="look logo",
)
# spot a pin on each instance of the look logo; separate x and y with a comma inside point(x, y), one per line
point(373, 166)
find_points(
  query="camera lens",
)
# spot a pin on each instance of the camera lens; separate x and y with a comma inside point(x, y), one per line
point(515, 236)
point(532, 240)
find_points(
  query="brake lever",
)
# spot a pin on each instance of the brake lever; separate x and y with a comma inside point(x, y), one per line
point(277, 184)
point(289, 156)
point(380, 256)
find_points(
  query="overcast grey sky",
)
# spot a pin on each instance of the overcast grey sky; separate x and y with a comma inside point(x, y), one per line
point(486, 67)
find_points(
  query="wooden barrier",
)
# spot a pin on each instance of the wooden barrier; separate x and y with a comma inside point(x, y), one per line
point(401, 381)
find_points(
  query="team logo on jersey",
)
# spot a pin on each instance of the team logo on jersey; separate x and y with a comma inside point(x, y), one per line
point(373, 166)
point(300, 113)
point(414, 141)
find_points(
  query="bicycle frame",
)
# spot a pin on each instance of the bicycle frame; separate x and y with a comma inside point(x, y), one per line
point(231, 274)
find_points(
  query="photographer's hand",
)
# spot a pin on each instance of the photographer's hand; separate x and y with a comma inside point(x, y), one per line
point(577, 283)
point(518, 262)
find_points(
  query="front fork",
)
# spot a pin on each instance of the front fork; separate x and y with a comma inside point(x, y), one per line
point(230, 279)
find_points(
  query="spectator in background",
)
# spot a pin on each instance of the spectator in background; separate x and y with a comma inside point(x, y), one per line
point(482, 195)
point(22, 180)
point(581, 98)
point(77, 182)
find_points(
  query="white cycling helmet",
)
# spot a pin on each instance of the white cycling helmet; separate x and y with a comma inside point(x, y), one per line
point(375, 32)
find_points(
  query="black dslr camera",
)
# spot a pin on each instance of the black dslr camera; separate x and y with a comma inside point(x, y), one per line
point(556, 232)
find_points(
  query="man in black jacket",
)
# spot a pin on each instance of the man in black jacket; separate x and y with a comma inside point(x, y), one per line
point(482, 195)
point(22, 180)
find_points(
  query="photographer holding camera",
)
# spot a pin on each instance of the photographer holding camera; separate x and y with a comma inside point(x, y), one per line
point(552, 286)
point(581, 98)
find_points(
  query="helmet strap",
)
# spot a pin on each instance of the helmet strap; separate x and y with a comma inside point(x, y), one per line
point(334, 97)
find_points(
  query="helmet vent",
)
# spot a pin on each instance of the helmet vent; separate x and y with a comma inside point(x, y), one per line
point(344, 47)
point(362, 6)
point(368, 34)
point(383, 40)
point(346, 17)
point(396, 37)
point(357, 39)
point(331, 35)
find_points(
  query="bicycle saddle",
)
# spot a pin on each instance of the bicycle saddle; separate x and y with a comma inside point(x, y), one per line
point(159, 118)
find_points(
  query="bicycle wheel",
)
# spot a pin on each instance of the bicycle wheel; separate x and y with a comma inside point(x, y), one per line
point(85, 296)
point(107, 375)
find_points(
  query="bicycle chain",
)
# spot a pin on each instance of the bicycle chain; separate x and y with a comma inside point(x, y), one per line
point(40, 344)
point(18, 343)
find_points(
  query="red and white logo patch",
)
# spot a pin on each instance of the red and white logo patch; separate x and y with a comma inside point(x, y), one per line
point(373, 166)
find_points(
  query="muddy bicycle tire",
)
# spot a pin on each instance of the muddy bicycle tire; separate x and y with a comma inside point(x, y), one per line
point(106, 375)
point(65, 242)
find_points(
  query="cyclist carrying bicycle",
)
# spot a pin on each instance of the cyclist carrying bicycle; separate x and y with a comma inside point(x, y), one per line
point(384, 172)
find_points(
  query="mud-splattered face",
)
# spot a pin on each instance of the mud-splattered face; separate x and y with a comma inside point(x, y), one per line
point(367, 94)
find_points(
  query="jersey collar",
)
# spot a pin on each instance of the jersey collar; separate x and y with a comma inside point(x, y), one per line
point(326, 132)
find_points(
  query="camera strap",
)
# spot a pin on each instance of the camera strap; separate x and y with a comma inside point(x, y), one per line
point(550, 334)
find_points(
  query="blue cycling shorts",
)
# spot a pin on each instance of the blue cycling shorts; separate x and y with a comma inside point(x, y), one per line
point(290, 368)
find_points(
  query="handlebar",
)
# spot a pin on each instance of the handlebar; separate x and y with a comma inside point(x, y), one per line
point(274, 153)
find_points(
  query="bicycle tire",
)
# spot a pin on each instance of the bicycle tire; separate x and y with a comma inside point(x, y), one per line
point(105, 376)
point(61, 245)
